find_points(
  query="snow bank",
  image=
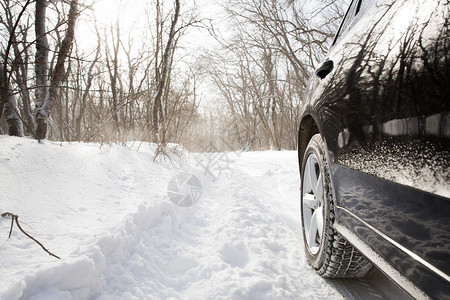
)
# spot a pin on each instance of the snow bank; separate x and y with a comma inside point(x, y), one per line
point(86, 204)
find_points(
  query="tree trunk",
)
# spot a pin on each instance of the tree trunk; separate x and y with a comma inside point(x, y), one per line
point(44, 111)
point(85, 95)
point(112, 64)
point(162, 86)
point(41, 66)
point(9, 106)
point(8, 103)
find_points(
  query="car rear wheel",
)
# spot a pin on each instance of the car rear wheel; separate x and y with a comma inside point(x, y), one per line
point(326, 251)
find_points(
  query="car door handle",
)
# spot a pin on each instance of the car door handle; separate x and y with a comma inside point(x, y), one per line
point(325, 69)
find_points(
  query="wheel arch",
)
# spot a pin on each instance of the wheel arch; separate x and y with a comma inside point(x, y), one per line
point(308, 127)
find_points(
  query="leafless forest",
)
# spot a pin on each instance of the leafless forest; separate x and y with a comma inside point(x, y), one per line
point(141, 83)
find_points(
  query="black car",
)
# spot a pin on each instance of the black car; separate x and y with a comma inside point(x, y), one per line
point(374, 148)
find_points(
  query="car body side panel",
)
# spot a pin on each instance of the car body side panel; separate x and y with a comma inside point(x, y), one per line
point(411, 227)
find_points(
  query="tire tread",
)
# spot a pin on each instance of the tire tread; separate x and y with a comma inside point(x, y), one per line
point(340, 258)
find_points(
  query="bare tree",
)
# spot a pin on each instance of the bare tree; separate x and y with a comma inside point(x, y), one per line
point(163, 69)
point(8, 102)
point(112, 64)
point(86, 91)
point(9, 106)
point(44, 99)
point(41, 63)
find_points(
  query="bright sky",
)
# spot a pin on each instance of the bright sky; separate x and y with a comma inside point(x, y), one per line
point(108, 11)
point(132, 19)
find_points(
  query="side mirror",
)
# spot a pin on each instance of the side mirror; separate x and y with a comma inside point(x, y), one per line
point(325, 69)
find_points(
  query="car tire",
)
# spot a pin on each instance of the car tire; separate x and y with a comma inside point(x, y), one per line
point(326, 251)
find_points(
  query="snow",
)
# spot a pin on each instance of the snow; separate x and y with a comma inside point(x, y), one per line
point(106, 211)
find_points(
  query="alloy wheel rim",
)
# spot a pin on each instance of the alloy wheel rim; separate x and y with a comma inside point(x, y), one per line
point(312, 204)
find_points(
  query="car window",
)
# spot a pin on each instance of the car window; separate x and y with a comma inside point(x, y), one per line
point(349, 16)
point(354, 13)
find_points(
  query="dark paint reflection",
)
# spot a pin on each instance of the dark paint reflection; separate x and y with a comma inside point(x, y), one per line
point(417, 220)
point(435, 287)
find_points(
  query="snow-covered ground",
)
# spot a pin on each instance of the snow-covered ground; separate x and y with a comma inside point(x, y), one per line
point(109, 212)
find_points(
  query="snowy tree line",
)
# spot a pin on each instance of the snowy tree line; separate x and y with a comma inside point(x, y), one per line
point(139, 86)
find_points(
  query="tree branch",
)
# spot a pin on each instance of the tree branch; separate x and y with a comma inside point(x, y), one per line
point(16, 218)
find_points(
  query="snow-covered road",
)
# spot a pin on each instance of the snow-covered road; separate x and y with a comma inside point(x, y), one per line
point(240, 241)
point(108, 214)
